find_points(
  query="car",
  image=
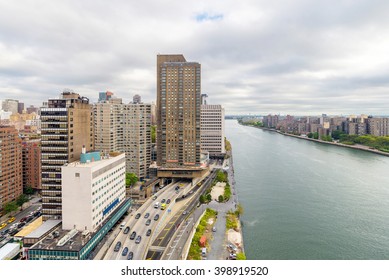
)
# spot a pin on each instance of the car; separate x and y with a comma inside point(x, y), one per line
point(184, 213)
point(130, 256)
point(148, 233)
point(168, 201)
point(138, 239)
point(117, 246)
point(125, 251)
point(147, 215)
point(232, 257)
point(163, 201)
point(23, 219)
point(3, 225)
point(156, 217)
point(191, 192)
point(4, 232)
point(10, 220)
point(176, 188)
point(22, 224)
point(137, 216)
point(13, 231)
point(133, 235)
point(29, 218)
point(126, 230)
point(148, 222)
point(154, 197)
point(214, 229)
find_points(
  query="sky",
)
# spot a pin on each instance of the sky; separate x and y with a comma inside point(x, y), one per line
point(298, 57)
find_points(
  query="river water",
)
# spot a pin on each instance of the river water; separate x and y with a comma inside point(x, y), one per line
point(305, 200)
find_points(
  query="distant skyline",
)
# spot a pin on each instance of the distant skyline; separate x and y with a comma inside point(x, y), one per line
point(258, 57)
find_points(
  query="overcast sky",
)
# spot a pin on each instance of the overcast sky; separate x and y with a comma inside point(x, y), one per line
point(258, 57)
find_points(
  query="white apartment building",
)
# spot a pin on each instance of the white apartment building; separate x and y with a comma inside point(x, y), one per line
point(92, 189)
point(212, 129)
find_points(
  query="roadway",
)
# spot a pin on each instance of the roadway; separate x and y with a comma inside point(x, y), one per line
point(139, 226)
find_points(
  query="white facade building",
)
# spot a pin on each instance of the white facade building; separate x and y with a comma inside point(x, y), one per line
point(212, 130)
point(92, 188)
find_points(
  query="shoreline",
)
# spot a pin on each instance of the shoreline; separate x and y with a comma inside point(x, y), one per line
point(355, 147)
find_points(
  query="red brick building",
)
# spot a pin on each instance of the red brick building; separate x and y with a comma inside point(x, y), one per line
point(11, 186)
point(31, 154)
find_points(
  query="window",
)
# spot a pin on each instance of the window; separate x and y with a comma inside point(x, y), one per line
point(77, 175)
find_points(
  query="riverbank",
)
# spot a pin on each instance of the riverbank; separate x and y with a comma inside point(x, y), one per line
point(355, 147)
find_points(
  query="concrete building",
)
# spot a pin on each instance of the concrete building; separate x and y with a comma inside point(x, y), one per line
point(67, 126)
point(137, 138)
point(178, 117)
point(378, 126)
point(32, 109)
point(31, 155)
point(93, 186)
point(270, 121)
point(125, 128)
point(212, 130)
point(20, 108)
point(11, 185)
point(10, 105)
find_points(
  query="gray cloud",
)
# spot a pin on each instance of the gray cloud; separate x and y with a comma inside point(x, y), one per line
point(296, 57)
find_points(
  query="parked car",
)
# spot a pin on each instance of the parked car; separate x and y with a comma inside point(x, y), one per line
point(133, 235)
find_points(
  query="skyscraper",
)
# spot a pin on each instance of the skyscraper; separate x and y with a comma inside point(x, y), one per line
point(212, 129)
point(10, 165)
point(178, 116)
point(67, 126)
point(125, 128)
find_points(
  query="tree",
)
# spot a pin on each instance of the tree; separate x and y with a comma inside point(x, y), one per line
point(209, 197)
point(239, 210)
point(203, 199)
point(131, 179)
point(28, 190)
point(336, 134)
point(241, 256)
point(153, 134)
point(221, 198)
point(315, 135)
point(10, 207)
point(310, 135)
point(21, 199)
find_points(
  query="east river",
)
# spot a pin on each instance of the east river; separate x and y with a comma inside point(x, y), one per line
point(305, 200)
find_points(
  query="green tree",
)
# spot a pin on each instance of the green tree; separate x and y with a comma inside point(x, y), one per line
point(239, 210)
point(310, 135)
point(10, 207)
point(131, 179)
point(241, 256)
point(315, 135)
point(336, 134)
point(21, 199)
point(221, 198)
point(28, 190)
point(203, 199)
point(209, 197)
point(153, 133)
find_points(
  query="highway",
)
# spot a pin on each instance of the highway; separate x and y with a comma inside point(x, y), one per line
point(140, 227)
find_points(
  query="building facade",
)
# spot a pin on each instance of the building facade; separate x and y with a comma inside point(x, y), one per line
point(11, 184)
point(125, 128)
point(10, 105)
point(67, 126)
point(94, 186)
point(31, 155)
point(178, 112)
point(212, 130)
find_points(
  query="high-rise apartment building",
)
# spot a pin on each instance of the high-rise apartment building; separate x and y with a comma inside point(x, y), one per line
point(67, 127)
point(137, 138)
point(125, 128)
point(31, 154)
point(212, 130)
point(11, 186)
point(178, 116)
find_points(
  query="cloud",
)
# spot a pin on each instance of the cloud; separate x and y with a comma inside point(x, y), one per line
point(256, 56)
